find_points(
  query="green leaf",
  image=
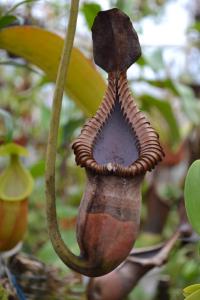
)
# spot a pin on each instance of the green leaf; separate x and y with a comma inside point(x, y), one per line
point(195, 26)
point(7, 20)
point(38, 169)
point(191, 194)
point(84, 84)
point(141, 61)
point(69, 128)
point(90, 10)
point(194, 296)
point(165, 109)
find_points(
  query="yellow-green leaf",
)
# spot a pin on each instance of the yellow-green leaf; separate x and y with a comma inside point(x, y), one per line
point(191, 289)
point(194, 296)
point(43, 49)
point(191, 195)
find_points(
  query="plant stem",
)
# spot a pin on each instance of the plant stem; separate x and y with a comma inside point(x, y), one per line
point(63, 252)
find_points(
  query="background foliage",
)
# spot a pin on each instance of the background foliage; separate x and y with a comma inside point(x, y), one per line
point(168, 94)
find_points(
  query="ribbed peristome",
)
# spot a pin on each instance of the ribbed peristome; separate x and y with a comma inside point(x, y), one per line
point(147, 140)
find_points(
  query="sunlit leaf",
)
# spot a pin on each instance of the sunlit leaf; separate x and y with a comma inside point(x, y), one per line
point(191, 289)
point(194, 296)
point(191, 194)
point(43, 49)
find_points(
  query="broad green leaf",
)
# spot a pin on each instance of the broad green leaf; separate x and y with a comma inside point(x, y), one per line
point(90, 10)
point(194, 296)
point(191, 289)
point(43, 49)
point(7, 20)
point(191, 194)
point(165, 109)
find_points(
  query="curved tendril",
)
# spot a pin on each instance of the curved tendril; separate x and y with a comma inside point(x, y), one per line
point(75, 262)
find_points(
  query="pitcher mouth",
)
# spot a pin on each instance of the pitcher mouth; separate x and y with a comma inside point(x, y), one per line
point(118, 140)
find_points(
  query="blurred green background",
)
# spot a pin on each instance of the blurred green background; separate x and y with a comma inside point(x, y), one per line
point(165, 83)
